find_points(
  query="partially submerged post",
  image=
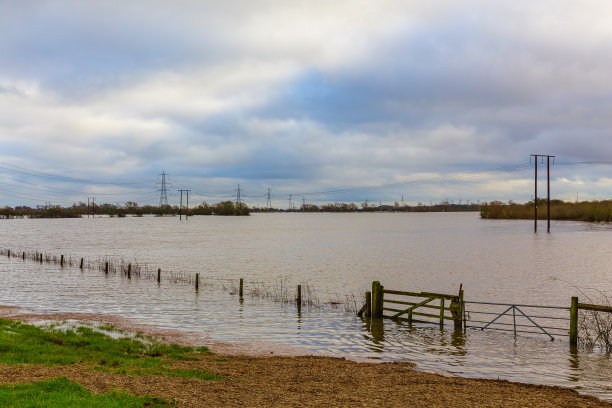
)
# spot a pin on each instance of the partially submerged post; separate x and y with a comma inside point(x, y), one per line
point(573, 331)
point(81, 263)
point(197, 282)
point(158, 275)
point(9, 253)
point(106, 268)
point(23, 256)
point(61, 260)
point(241, 286)
point(377, 299)
point(366, 309)
point(299, 295)
point(457, 309)
point(129, 271)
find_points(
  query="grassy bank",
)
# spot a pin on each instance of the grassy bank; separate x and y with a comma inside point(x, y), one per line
point(90, 348)
point(80, 367)
point(61, 392)
point(591, 211)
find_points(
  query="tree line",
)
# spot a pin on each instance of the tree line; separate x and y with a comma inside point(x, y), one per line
point(130, 208)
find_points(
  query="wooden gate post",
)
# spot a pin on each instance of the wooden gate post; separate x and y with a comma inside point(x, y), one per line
point(456, 308)
point(377, 299)
point(573, 332)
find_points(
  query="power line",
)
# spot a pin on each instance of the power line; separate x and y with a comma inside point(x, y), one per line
point(35, 173)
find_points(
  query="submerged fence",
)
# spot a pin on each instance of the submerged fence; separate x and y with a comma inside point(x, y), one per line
point(431, 307)
point(279, 291)
point(517, 318)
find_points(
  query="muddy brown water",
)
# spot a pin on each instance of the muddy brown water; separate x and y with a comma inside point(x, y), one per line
point(337, 256)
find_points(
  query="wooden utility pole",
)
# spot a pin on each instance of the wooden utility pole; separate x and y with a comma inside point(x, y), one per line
point(535, 200)
point(181, 205)
point(548, 193)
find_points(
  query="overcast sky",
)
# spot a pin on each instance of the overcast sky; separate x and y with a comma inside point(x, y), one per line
point(303, 97)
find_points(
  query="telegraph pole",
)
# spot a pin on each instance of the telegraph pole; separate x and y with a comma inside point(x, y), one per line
point(181, 207)
point(181, 204)
point(187, 214)
point(535, 201)
point(548, 192)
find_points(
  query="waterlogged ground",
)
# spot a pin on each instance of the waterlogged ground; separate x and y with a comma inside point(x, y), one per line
point(336, 256)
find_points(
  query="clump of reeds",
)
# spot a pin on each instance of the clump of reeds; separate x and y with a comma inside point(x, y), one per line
point(309, 296)
point(595, 327)
point(353, 302)
point(592, 211)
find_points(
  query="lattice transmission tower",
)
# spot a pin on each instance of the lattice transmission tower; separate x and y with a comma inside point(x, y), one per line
point(238, 199)
point(163, 188)
point(269, 202)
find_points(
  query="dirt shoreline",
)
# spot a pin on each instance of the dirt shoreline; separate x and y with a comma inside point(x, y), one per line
point(266, 375)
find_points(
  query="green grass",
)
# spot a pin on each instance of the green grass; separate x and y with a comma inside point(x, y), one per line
point(24, 343)
point(60, 392)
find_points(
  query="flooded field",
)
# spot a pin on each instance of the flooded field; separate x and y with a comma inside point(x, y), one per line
point(337, 256)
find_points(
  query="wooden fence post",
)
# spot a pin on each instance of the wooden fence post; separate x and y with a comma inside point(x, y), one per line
point(241, 287)
point(442, 312)
point(299, 295)
point(368, 311)
point(377, 299)
point(158, 275)
point(459, 314)
point(129, 271)
point(197, 283)
point(573, 331)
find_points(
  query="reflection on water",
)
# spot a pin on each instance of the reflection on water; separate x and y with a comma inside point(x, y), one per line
point(493, 260)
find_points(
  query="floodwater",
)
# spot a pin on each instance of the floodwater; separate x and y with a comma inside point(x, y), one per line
point(337, 256)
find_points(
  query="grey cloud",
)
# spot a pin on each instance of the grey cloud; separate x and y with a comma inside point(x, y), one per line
point(275, 91)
